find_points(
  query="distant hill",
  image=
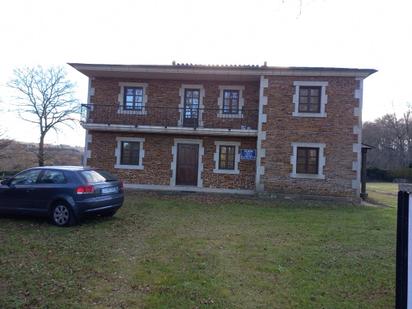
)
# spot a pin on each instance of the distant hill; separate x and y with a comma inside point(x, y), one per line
point(16, 156)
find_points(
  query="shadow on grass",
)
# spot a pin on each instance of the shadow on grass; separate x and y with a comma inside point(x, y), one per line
point(42, 220)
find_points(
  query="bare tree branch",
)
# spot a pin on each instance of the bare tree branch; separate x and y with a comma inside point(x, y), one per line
point(46, 98)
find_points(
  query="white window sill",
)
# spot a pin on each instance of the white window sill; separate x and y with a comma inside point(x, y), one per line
point(129, 167)
point(232, 172)
point(131, 111)
point(229, 116)
point(307, 176)
point(313, 115)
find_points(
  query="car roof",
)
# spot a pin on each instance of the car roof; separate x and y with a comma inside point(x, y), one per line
point(64, 168)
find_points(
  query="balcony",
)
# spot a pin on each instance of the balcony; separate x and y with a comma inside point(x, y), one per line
point(169, 120)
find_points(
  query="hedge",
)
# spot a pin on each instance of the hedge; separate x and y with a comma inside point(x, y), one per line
point(377, 174)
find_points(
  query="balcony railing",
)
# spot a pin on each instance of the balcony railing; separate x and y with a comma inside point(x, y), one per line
point(245, 119)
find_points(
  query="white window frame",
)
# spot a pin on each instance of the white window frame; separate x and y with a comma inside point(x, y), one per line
point(182, 102)
point(216, 157)
point(321, 161)
point(323, 98)
point(118, 153)
point(220, 99)
point(120, 99)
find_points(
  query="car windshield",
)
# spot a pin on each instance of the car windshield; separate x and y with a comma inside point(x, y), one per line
point(93, 176)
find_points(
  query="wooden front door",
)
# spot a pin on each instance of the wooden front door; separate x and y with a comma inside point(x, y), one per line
point(187, 164)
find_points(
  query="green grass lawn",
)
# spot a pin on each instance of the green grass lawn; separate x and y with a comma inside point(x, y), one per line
point(384, 187)
point(170, 251)
point(383, 192)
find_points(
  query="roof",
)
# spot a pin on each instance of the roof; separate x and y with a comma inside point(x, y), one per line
point(366, 146)
point(176, 70)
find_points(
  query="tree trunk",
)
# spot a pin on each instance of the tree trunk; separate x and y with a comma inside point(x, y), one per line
point(41, 151)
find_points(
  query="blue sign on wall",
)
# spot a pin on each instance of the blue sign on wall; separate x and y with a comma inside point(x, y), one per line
point(248, 154)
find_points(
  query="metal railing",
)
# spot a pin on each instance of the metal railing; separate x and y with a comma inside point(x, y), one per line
point(245, 119)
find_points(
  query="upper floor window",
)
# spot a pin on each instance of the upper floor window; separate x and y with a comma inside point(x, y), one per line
point(191, 108)
point(133, 98)
point(191, 105)
point(230, 101)
point(310, 99)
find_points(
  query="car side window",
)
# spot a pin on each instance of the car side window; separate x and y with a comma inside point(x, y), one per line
point(51, 176)
point(26, 178)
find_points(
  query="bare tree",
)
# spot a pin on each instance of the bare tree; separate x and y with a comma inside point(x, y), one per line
point(391, 137)
point(407, 119)
point(45, 98)
point(4, 142)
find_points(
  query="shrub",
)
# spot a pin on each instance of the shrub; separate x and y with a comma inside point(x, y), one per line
point(377, 174)
point(402, 173)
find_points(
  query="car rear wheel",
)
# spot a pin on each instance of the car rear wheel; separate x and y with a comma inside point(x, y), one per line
point(62, 215)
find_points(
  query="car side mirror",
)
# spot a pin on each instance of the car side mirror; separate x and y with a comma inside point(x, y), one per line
point(6, 181)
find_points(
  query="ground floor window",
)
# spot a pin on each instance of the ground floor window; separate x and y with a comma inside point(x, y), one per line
point(308, 160)
point(227, 157)
point(129, 153)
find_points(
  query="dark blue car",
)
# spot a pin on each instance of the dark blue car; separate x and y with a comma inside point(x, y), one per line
point(63, 193)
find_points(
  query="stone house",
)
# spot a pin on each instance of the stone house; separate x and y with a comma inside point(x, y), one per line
point(234, 129)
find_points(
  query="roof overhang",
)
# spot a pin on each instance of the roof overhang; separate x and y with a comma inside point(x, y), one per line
point(211, 72)
point(366, 146)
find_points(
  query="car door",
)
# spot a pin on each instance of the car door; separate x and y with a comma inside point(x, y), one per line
point(17, 196)
point(3, 195)
point(51, 183)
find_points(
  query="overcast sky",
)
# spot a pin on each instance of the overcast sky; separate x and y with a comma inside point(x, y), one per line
point(351, 33)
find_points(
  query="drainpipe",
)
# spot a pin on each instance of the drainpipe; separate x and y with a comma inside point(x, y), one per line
point(363, 194)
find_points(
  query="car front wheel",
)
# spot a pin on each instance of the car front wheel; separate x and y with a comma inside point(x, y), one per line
point(62, 215)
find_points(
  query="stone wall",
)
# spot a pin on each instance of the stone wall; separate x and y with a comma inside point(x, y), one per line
point(158, 158)
point(336, 131)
